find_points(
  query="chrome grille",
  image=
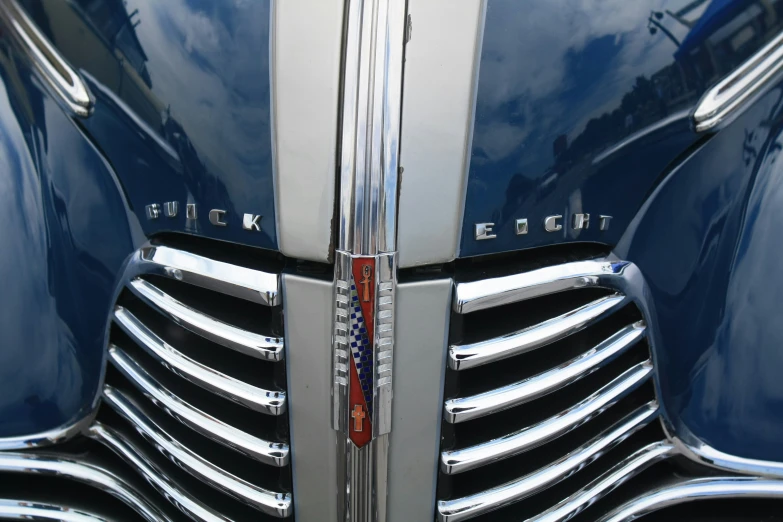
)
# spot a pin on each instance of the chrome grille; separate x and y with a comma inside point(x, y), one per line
point(194, 397)
point(549, 396)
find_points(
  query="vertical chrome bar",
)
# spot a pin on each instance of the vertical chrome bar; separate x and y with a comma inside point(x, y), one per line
point(365, 258)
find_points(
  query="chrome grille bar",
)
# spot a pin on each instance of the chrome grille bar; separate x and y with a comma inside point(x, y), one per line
point(260, 346)
point(190, 505)
point(473, 505)
point(15, 509)
point(272, 453)
point(81, 471)
point(245, 283)
point(467, 408)
point(258, 399)
point(277, 504)
point(695, 489)
point(605, 484)
point(462, 357)
point(457, 461)
point(489, 293)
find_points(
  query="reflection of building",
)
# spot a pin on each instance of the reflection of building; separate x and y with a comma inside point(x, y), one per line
point(560, 145)
point(116, 26)
point(725, 34)
point(99, 36)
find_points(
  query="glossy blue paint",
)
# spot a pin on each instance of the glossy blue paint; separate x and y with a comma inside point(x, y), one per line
point(708, 244)
point(66, 232)
point(582, 106)
point(183, 104)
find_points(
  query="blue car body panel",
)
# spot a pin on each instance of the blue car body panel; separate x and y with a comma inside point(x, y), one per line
point(67, 231)
point(182, 105)
point(707, 242)
point(182, 114)
point(581, 110)
point(576, 111)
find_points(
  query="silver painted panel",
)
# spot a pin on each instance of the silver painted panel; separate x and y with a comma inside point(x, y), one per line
point(441, 68)
point(306, 49)
point(308, 334)
point(419, 366)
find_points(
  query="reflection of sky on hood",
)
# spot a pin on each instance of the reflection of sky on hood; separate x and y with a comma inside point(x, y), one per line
point(26, 259)
point(749, 340)
point(210, 61)
point(548, 69)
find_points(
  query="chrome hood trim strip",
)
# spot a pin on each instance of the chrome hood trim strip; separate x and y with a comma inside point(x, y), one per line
point(365, 254)
point(735, 92)
point(51, 66)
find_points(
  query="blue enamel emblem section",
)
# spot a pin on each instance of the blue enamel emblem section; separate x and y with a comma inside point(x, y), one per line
point(361, 348)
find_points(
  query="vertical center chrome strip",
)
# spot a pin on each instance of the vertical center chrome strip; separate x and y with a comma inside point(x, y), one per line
point(372, 88)
point(365, 257)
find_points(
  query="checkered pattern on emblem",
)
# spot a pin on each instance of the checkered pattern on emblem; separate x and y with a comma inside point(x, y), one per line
point(360, 347)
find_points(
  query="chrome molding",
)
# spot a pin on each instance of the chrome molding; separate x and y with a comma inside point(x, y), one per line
point(457, 461)
point(697, 450)
point(84, 472)
point(489, 293)
point(272, 503)
point(16, 509)
point(272, 453)
point(606, 483)
point(371, 105)
point(190, 505)
point(249, 343)
point(697, 489)
point(474, 505)
point(258, 399)
point(245, 283)
point(46, 60)
point(732, 94)
point(47, 438)
point(365, 254)
point(466, 408)
point(462, 357)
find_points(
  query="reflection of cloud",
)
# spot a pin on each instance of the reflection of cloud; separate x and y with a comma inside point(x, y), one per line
point(499, 139)
point(209, 65)
point(556, 79)
point(516, 47)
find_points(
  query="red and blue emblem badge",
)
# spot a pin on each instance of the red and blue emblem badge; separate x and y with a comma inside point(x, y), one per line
point(361, 343)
